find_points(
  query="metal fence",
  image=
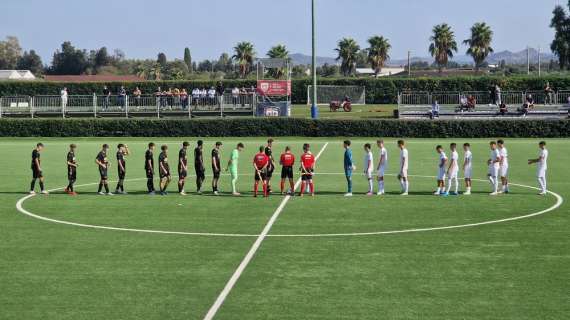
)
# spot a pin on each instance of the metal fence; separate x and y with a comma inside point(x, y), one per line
point(129, 105)
point(510, 98)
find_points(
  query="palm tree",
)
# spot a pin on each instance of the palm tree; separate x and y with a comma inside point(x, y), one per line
point(244, 55)
point(479, 43)
point(347, 52)
point(378, 53)
point(442, 45)
point(278, 52)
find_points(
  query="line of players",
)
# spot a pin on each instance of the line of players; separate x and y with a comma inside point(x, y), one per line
point(264, 165)
point(448, 168)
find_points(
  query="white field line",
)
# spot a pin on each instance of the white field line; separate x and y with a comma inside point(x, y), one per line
point(559, 201)
point(251, 253)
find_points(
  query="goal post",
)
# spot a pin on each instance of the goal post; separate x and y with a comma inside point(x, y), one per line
point(326, 94)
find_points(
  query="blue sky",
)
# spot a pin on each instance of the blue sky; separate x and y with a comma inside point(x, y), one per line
point(142, 28)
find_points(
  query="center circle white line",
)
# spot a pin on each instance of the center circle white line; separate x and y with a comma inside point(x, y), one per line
point(21, 209)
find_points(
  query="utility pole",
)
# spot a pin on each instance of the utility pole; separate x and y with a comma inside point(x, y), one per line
point(409, 63)
point(539, 69)
point(527, 60)
point(314, 108)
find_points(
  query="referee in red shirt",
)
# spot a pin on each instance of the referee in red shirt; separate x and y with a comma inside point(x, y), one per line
point(260, 163)
point(307, 169)
point(287, 160)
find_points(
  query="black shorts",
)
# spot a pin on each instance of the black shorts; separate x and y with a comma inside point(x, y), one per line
point(149, 174)
point(122, 174)
point(72, 174)
point(270, 169)
point(307, 177)
point(200, 174)
point(287, 173)
point(37, 173)
point(182, 174)
point(164, 174)
point(216, 173)
point(103, 173)
point(262, 173)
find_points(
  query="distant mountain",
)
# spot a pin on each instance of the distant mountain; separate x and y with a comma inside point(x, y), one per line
point(510, 57)
point(299, 58)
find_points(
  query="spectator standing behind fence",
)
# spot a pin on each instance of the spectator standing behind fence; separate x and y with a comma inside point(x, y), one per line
point(220, 93)
point(212, 96)
point(548, 94)
point(203, 96)
point(492, 95)
point(243, 96)
point(503, 109)
point(498, 99)
point(195, 96)
point(137, 95)
point(184, 99)
point(235, 97)
point(122, 97)
point(106, 97)
point(63, 95)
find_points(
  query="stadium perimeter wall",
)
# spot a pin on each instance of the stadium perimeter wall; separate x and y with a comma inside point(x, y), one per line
point(378, 91)
point(284, 127)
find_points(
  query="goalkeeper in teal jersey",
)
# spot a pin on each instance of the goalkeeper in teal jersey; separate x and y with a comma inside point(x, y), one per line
point(348, 166)
point(233, 167)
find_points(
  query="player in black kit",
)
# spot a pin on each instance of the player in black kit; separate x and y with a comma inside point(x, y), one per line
point(216, 167)
point(149, 168)
point(103, 164)
point(164, 170)
point(271, 164)
point(183, 167)
point(199, 166)
point(37, 170)
point(122, 152)
point(71, 170)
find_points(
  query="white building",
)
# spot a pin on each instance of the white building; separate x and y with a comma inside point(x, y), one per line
point(16, 75)
point(385, 72)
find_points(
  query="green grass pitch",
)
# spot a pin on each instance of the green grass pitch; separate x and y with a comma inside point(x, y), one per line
point(512, 270)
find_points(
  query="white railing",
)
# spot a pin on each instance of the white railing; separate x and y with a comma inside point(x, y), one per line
point(128, 105)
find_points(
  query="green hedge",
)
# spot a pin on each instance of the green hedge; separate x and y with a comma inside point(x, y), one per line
point(378, 91)
point(283, 127)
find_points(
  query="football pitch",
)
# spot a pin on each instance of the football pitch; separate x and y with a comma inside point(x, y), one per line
point(137, 256)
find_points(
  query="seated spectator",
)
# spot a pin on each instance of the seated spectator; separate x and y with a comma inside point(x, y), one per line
point(345, 101)
point(503, 109)
point(471, 103)
point(463, 104)
point(434, 110)
point(524, 109)
point(530, 101)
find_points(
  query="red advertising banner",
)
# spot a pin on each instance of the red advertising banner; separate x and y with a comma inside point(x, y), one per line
point(274, 87)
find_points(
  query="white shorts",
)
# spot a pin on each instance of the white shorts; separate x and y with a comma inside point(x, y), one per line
point(493, 171)
point(404, 173)
point(541, 173)
point(454, 174)
point(441, 174)
point(504, 171)
point(468, 173)
point(368, 174)
point(381, 171)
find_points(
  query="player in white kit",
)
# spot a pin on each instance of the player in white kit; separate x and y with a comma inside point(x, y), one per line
point(369, 168)
point(382, 165)
point(503, 166)
point(442, 161)
point(541, 167)
point(404, 162)
point(494, 167)
point(453, 170)
point(467, 168)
